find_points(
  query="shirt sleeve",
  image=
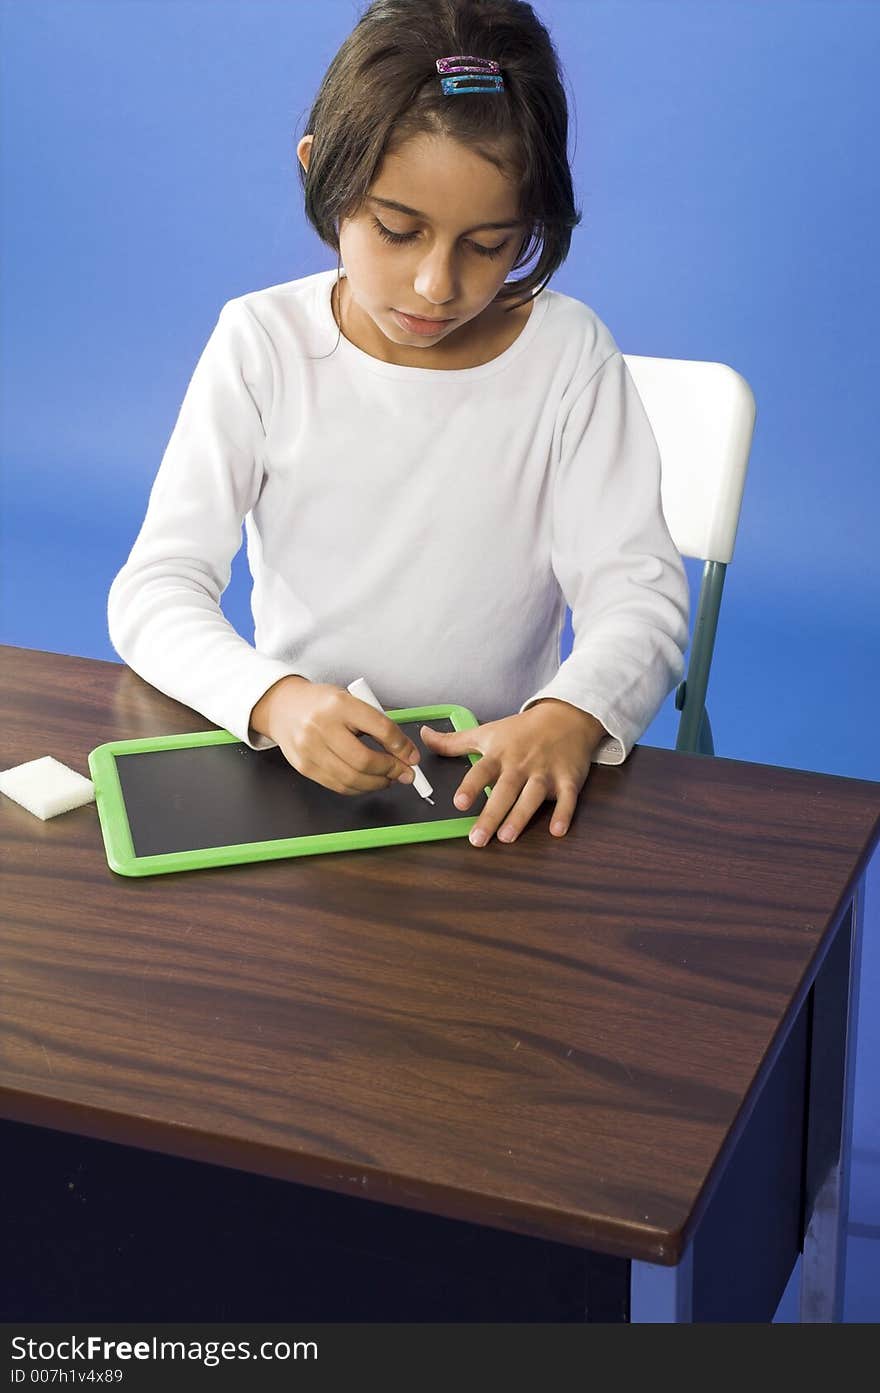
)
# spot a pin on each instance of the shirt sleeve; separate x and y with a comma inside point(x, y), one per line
point(163, 608)
point(616, 564)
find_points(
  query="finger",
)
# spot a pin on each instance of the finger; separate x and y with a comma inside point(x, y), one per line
point(363, 717)
point(402, 753)
point(566, 802)
point(334, 773)
point(523, 810)
point(364, 762)
point(501, 800)
point(481, 775)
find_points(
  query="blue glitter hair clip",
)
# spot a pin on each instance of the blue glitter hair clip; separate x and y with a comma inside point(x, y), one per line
point(474, 74)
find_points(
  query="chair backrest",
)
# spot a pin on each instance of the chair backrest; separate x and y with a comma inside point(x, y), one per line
point(703, 418)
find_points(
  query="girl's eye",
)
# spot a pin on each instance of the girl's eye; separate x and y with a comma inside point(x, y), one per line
point(398, 237)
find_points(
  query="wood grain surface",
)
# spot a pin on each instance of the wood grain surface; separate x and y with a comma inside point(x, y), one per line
point(561, 1037)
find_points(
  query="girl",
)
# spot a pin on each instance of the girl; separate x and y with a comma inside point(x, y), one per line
point(430, 459)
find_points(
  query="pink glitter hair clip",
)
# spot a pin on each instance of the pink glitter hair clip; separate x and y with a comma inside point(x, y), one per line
point(475, 74)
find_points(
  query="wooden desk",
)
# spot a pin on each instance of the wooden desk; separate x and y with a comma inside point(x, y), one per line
point(630, 1043)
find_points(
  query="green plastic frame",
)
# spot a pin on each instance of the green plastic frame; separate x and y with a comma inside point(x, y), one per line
point(116, 832)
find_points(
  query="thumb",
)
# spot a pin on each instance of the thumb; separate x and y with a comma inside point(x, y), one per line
point(445, 742)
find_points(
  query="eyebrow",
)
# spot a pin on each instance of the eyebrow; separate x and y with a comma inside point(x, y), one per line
point(414, 213)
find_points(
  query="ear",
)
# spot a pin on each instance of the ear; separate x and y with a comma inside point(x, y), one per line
point(304, 151)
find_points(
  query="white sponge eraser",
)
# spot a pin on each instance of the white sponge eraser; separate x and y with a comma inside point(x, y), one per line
point(46, 787)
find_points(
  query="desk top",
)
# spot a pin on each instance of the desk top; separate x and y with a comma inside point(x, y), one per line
point(561, 1037)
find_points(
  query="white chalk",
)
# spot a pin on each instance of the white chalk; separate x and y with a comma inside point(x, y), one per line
point(46, 787)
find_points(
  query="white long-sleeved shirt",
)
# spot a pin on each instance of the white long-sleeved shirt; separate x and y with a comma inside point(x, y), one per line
point(422, 528)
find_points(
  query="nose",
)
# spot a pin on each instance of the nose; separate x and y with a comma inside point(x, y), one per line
point(435, 282)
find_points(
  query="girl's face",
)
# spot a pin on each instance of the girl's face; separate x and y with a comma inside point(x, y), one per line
point(441, 260)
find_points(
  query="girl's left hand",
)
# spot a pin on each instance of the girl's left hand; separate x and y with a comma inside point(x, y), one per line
point(540, 753)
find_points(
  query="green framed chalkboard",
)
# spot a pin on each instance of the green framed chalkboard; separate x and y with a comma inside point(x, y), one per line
point(190, 802)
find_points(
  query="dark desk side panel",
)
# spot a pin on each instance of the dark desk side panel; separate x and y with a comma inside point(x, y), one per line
point(96, 1231)
point(827, 1059)
point(750, 1236)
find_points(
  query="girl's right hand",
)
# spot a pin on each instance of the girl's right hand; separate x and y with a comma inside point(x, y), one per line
point(316, 725)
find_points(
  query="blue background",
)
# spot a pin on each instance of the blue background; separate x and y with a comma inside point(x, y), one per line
point(724, 157)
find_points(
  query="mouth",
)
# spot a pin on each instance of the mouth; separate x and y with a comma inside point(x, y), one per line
point(415, 324)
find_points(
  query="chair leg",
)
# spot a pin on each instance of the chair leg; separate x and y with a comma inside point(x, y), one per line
point(691, 695)
point(705, 743)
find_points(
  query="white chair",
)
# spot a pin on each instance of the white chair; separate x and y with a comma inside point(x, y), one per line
point(703, 417)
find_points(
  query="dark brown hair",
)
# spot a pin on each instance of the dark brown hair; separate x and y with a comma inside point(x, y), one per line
point(382, 88)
